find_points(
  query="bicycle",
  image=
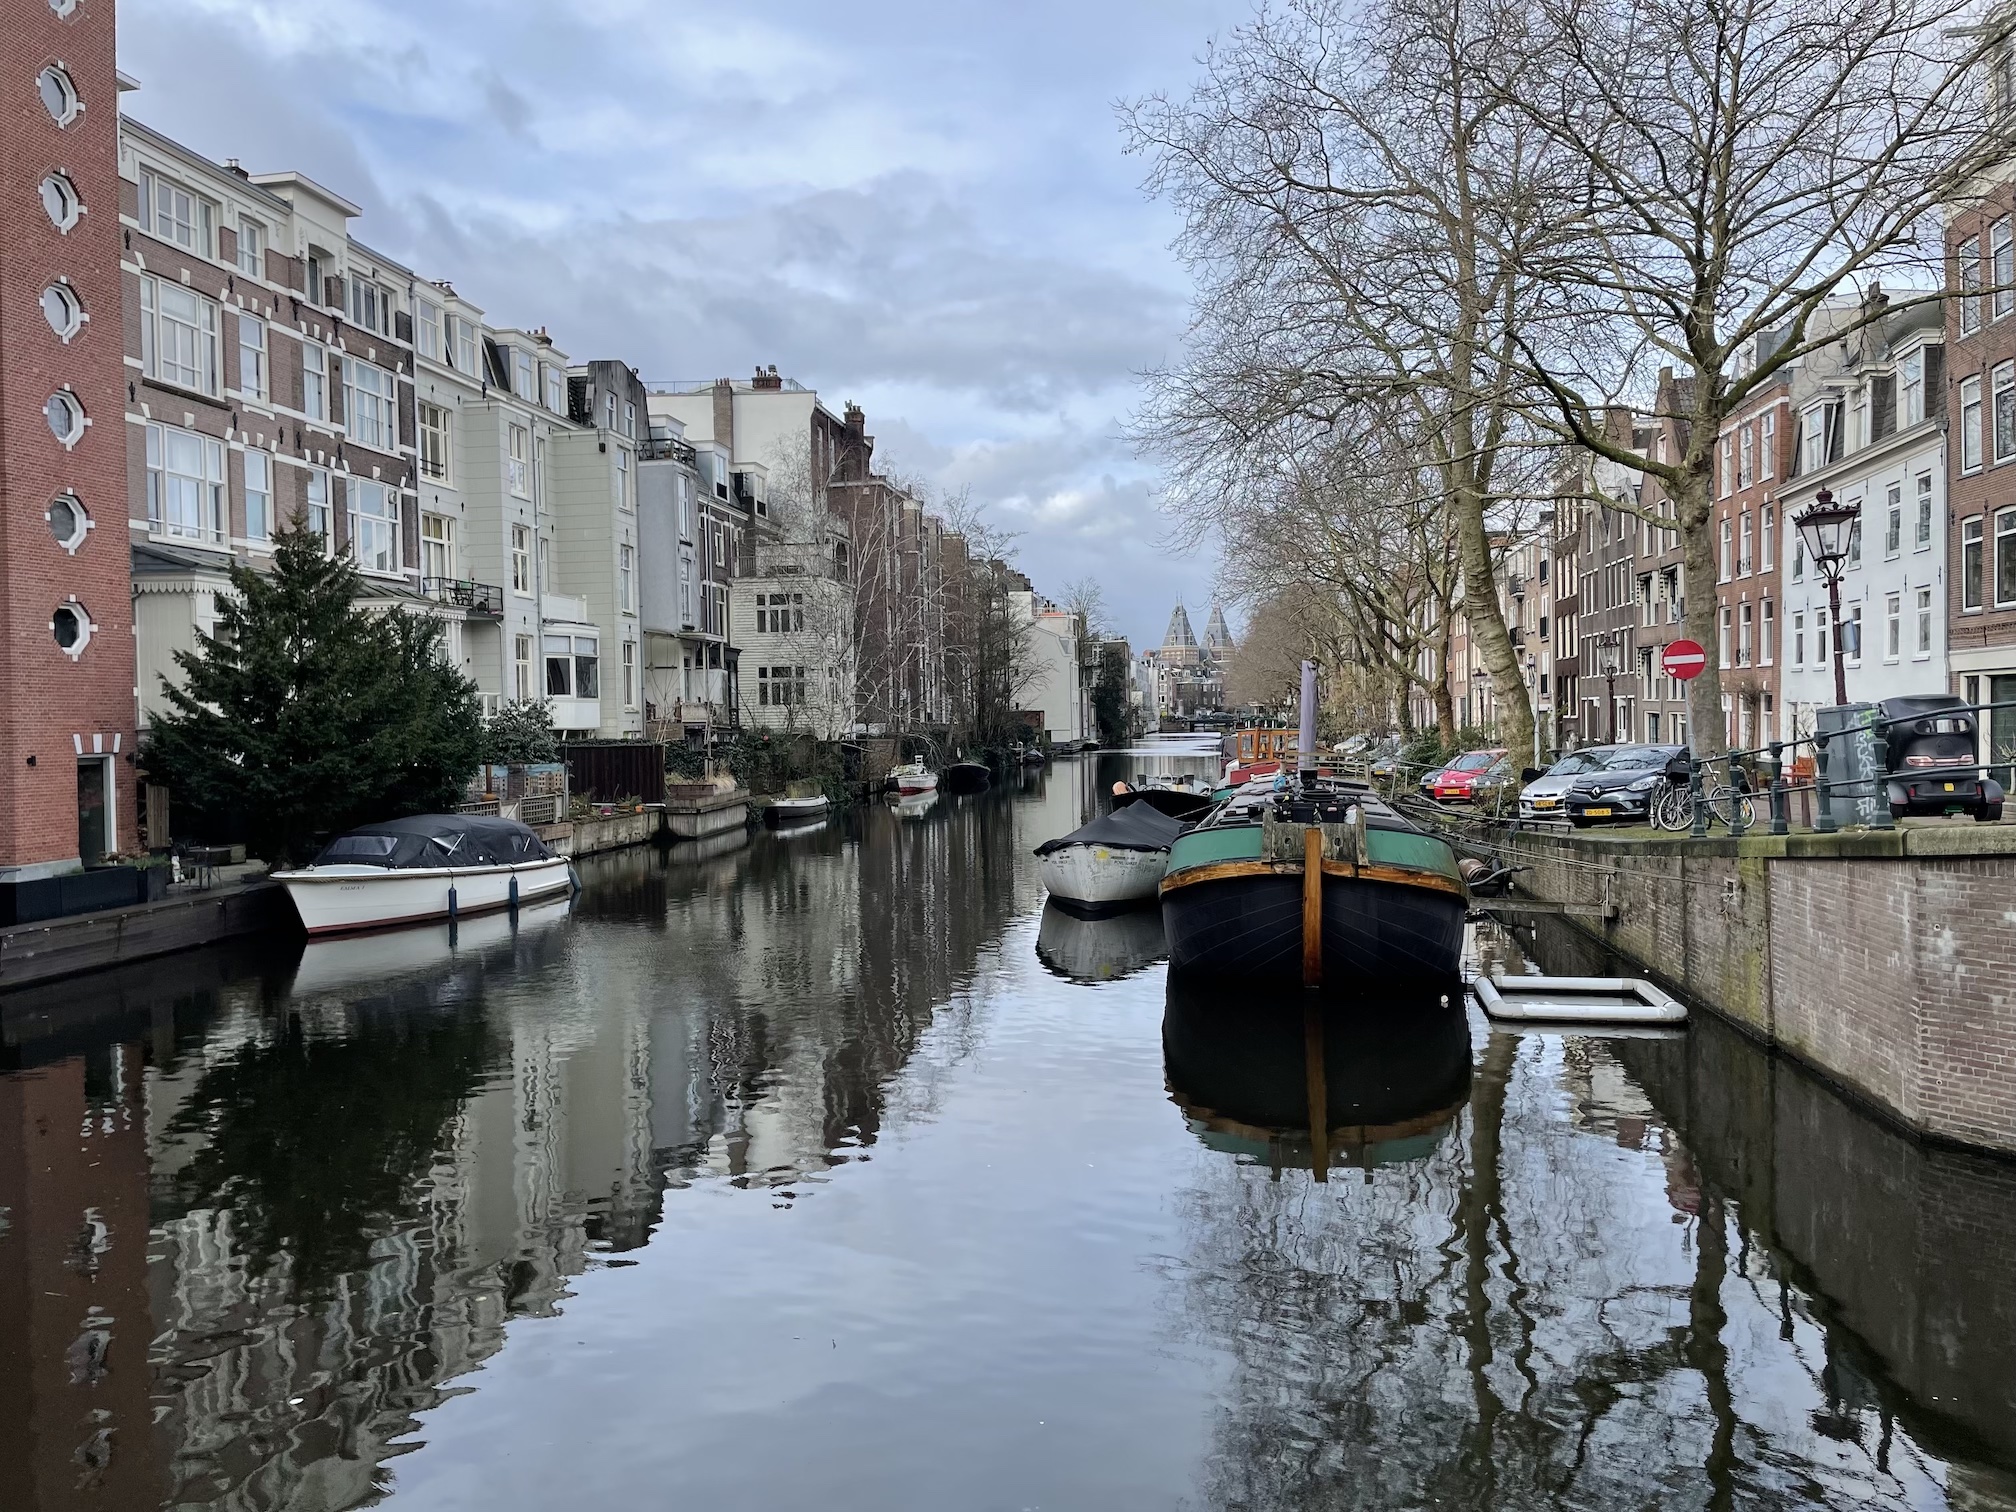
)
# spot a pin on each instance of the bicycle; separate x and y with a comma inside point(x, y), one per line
point(1674, 809)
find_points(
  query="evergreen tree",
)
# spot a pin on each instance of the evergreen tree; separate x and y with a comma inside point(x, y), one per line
point(304, 715)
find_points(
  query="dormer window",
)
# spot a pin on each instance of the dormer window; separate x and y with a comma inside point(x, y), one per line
point(556, 391)
point(1911, 401)
point(371, 305)
point(2002, 87)
point(524, 376)
point(175, 215)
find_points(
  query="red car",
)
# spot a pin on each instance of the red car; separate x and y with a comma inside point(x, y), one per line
point(1458, 782)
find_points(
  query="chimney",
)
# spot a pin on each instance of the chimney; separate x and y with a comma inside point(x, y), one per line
point(767, 382)
point(724, 414)
point(857, 419)
point(236, 167)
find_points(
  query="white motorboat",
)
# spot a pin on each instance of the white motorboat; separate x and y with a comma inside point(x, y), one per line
point(432, 866)
point(1114, 862)
point(914, 777)
point(797, 810)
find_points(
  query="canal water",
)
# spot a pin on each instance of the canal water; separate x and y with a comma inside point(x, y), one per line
point(829, 1170)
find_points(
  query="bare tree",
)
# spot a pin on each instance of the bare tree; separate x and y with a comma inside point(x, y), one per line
point(1362, 211)
point(1741, 175)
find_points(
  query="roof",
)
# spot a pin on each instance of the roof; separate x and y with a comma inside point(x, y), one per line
point(1179, 632)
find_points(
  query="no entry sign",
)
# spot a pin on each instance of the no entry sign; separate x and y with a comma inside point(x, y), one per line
point(1684, 659)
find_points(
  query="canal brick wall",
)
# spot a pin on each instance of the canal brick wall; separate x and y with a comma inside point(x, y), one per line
point(1886, 960)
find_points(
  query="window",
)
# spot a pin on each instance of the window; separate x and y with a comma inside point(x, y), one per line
point(521, 560)
point(522, 669)
point(780, 687)
point(625, 497)
point(437, 546)
point(251, 247)
point(1855, 538)
point(630, 420)
point(686, 585)
point(374, 525)
point(318, 276)
point(178, 336)
point(464, 355)
point(629, 674)
point(514, 466)
point(1746, 456)
point(2003, 382)
point(1744, 543)
point(525, 378)
point(1923, 537)
point(1770, 559)
point(369, 394)
point(1924, 645)
point(1969, 254)
point(63, 310)
point(572, 667)
point(1767, 459)
point(1767, 642)
point(2005, 557)
point(1722, 640)
point(1893, 626)
point(1851, 635)
point(60, 201)
point(185, 484)
point(258, 495)
point(434, 441)
point(626, 571)
point(1745, 626)
point(1970, 564)
point(173, 214)
point(1725, 571)
point(65, 416)
point(556, 391)
point(1798, 640)
point(59, 95)
point(314, 380)
point(1823, 639)
point(2001, 269)
point(1911, 403)
point(1815, 432)
point(1970, 425)
point(1728, 466)
point(371, 305)
point(1893, 528)
point(1798, 559)
point(316, 517)
point(427, 329)
point(609, 411)
point(251, 357)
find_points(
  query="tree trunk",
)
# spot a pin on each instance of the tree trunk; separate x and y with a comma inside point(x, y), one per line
point(1694, 504)
point(1487, 622)
point(1445, 703)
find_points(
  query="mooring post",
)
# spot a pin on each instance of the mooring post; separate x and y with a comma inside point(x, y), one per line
point(1738, 825)
point(1700, 831)
point(1824, 824)
point(1780, 821)
point(1312, 906)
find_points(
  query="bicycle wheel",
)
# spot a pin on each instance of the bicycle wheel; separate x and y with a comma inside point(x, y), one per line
point(1673, 809)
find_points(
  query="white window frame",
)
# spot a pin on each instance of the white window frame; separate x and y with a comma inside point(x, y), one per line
point(465, 358)
point(521, 668)
point(1893, 522)
point(166, 339)
point(437, 545)
point(1767, 633)
point(1973, 533)
point(315, 381)
point(626, 488)
point(252, 247)
point(371, 304)
point(436, 442)
point(2001, 270)
point(2002, 411)
point(629, 674)
point(258, 485)
point(1893, 627)
point(183, 504)
point(378, 426)
point(1923, 605)
point(1767, 459)
point(2005, 541)
point(626, 579)
point(1968, 256)
point(317, 514)
point(1911, 391)
point(174, 213)
point(1798, 640)
point(524, 375)
point(427, 329)
point(374, 532)
point(521, 560)
point(1970, 424)
point(253, 380)
point(556, 389)
point(517, 471)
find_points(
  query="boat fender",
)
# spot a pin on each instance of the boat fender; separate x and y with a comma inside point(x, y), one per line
point(451, 902)
point(511, 897)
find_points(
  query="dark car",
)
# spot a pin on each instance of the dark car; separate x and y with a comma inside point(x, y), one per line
point(1623, 789)
point(1931, 761)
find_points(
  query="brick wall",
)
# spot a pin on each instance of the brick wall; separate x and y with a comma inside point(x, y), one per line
point(50, 703)
point(1883, 960)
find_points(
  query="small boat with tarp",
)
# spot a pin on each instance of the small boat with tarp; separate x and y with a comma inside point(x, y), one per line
point(431, 866)
point(1318, 882)
point(1114, 862)
point(967, 777)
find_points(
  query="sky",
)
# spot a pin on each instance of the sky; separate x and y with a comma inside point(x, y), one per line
point(922, 206)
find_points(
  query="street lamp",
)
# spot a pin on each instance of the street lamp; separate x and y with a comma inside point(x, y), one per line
point(1478, 681)
point(1827, 530)
point(1610, 653)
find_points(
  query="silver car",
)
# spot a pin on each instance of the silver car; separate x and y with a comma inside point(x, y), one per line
point(1545, 797)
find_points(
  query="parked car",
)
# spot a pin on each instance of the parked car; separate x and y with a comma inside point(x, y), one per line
point(1932, 763)
point(1470, 776)
point(1623, 788)
point(1545, 793)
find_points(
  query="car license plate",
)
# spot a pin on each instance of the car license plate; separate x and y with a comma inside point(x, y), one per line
point(1949, 787)
point(1545, 802)
point(1596, 813)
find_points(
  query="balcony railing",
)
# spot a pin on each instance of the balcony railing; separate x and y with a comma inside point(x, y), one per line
point(465, 593)
point(665, 449)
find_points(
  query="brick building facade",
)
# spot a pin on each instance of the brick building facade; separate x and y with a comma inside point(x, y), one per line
point(68, 794)
point(1752, 463)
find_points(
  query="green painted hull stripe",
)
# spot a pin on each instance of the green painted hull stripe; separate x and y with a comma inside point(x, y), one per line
point(1241, 842)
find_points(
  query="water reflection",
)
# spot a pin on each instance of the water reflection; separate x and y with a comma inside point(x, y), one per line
point(1100, 950)
point(265, 1212)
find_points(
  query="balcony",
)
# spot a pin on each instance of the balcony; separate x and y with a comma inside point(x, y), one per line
point(465, 593)
point(665, 449)
point(565, 608)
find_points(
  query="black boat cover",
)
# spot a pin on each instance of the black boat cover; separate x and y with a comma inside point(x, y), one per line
point(1136, 827)
point(435, 840)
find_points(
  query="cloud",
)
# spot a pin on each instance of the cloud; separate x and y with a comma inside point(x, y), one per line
point(920, 207)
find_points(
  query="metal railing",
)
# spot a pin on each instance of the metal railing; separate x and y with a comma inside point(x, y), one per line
point(464, 593)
